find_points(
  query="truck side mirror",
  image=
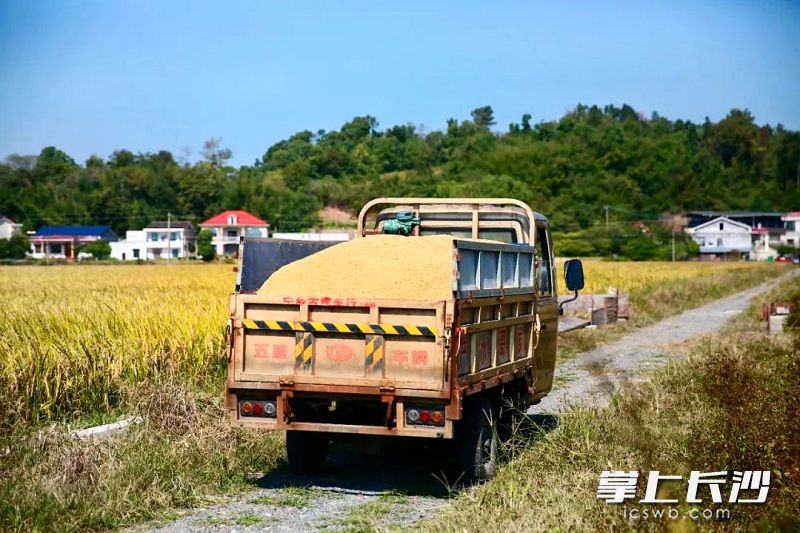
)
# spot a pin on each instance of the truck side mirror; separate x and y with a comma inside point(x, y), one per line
point(573, 274)
point(573, 279)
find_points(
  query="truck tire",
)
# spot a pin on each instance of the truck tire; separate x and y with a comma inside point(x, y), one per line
point(306, 451)
point(513, 405)
point(477, 440)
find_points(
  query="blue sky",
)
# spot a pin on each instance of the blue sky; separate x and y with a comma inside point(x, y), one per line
point(93, 76)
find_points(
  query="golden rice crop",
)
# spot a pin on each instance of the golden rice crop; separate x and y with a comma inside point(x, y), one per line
point(630, 277)
point(70, 334)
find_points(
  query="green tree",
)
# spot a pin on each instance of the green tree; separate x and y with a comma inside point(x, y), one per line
point(99, 249)
point(483, 117)
point(16, 247)
point(204, 247)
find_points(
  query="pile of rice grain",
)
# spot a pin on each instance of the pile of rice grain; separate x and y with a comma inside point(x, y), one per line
point(378, 266)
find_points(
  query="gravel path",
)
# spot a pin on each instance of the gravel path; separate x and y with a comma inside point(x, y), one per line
point(370, 488)
point(594, 376)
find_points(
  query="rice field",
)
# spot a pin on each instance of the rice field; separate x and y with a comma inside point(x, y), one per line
point(71, 336)
point(632, 277)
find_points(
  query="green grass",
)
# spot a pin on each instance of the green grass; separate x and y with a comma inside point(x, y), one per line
point(368, 516)
point(183, 453)
point(299, 497)
point(732, 404)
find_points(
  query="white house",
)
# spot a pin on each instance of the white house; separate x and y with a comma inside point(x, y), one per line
point(158, 240)
point(722, 236)
point(130, 248)
point(228, 226)
point(8, 227)
point(791, 222)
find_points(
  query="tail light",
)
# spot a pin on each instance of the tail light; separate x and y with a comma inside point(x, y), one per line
point(425, 416)
point(258, 408)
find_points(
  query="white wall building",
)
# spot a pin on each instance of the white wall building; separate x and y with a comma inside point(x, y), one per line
point(158, 240)
point(722, 236)
point(791, 222)
point(762, 251)
point(8, 227)
point(228, 226)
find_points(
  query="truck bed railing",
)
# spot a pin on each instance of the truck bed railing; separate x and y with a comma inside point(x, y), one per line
point(493, 269)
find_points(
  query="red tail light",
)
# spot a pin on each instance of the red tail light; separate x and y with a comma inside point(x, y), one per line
point(424, 417)
point(258, 408)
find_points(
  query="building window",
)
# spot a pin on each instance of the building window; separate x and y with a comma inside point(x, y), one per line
point(153, 236)
point(56, 248)
point(721, 226)
point(175, 253)
point(253, 232)
point(173, 236)
point(232, 233)
point(213, 231)
point(790, 242)
point(719, 242)
point(231, 220)
point(136, 253)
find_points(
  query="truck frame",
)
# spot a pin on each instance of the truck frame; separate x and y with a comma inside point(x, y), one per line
point(457, 369)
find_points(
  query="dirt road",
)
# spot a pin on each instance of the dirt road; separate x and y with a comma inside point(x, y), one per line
point(594, 376)
point(363, 489)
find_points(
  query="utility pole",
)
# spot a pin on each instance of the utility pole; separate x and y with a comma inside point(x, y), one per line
point(673, 244)
point(169, 236)
point(606, 208)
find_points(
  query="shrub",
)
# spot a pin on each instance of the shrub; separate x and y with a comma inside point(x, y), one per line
point(204, 246)
point(98, 249)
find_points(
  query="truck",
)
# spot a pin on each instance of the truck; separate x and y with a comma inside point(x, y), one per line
point(459, 369)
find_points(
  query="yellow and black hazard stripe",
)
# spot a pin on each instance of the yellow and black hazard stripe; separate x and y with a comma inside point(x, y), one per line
point(373, 354)
point(303, 350)
point(338, 327)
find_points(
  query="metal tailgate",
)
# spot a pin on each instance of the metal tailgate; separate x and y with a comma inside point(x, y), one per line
point(338, 341)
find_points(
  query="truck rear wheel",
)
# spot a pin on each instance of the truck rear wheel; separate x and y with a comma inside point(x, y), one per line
point(477, 440)
point(306, 451)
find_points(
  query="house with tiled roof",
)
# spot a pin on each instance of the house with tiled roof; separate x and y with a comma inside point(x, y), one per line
point(8, 227)
point(64, 242)
point(228, 226)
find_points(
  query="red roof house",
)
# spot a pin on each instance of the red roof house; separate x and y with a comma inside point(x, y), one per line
point(229, 226)
point(235, 218)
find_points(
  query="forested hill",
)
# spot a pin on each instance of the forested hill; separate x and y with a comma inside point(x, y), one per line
point(567, 169)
